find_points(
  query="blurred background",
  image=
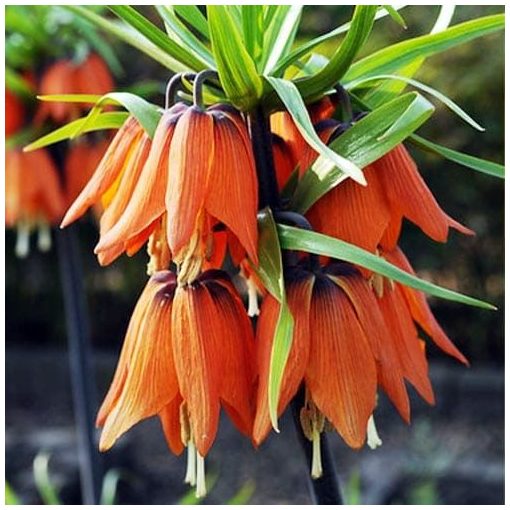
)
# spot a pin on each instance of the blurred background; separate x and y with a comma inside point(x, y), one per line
point(452, 453)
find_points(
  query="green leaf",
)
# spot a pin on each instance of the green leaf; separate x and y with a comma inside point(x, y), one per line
point(280, 34)
point(307, 47)
point(102, 121)
point(389, 90)
point(72, 98)
point(253, 30)
point(109, 487)
point(394, 57)
point(44, 485)
point(243, 495)
point(292, 100)
point(178, 31)
point(238, 74)
point(146, 113)
point(11, 497)
point(129, 36)
point(395, 15)
point(270, 271)
point(194, 17)
point(480, 165)
point(292, 238)
point(361, 25)
point(425, 88)
point(17, 84)
point(366, 141)
point(157, 37)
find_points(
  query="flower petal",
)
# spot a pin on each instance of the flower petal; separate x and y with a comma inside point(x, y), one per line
point(193, 319)
point(145, 381)
point(171, 423)
point(232, 195)
point(341, 374)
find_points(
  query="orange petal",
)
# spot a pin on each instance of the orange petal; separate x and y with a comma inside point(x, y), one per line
point(93, 76)
point(356, 214)
point(145, 381)
point(341, 374)
point(147, 202)
point(234, 343)
point(190, 159)
point(283, 162)
point(232, 191)
point(193, 317)
point(404, 336)
point(171, 423)
point(420, 310)
point(299, 295)
point(107, 171)
point(408, 195)
point(389, 373)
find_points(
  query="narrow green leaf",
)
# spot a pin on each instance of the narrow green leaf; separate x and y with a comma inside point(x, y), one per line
point(280, 34)
point(480, 165)
point(103, 121)
point(454, 107)
point(309, 46)
point(395, 15)
point(243, 495)
point(253, 30)
point(17, 84)
point(238, 74)
point(394, 57)
point(146, 113)
point(270, 271)
point(364, 142)
point(193, 16)
point(11, 497)
point(44, 485)
point(72, 98)
point(292, 238)
point(129, 36)
point(361, 25)
point(142, 25)
point(179, 32)
point(292, 100)
point(109, 487)
point(389, 90)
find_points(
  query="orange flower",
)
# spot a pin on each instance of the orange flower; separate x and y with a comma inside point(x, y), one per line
point(372, 215)
point(203, 160)
point(64, 77)
point(112, 184)
point(187, 351)
point(33, 196)
point(14, 113)
point(331, 354)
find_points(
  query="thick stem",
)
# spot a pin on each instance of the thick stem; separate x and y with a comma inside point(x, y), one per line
point(325, 490)
point(80, 363)
point(262, 145)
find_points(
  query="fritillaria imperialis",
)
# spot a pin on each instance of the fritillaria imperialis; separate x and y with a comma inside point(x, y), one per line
point(290, 177)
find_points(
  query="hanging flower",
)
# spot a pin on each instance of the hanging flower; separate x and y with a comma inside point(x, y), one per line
point(65, 77)
point(187, 352)
point(331, 354)
point(33, 197)
point(203, 160)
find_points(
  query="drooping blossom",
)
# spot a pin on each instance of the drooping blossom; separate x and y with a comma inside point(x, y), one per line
point(14, 113)
point(187, 352)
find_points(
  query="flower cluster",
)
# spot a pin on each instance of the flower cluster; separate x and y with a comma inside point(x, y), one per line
point(36, 195)
point(191, 194)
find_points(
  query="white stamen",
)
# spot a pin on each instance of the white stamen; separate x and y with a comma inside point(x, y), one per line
point(253, 303)
point(191, 468)
point(316, 455)
point(44, 237)
point(201, 488)
point(373, 439)
point(22, 240)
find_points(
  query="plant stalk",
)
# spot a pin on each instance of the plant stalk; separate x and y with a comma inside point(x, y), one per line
point(324, 490)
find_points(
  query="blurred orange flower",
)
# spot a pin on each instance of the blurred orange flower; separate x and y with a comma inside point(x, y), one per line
point(14, 113)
